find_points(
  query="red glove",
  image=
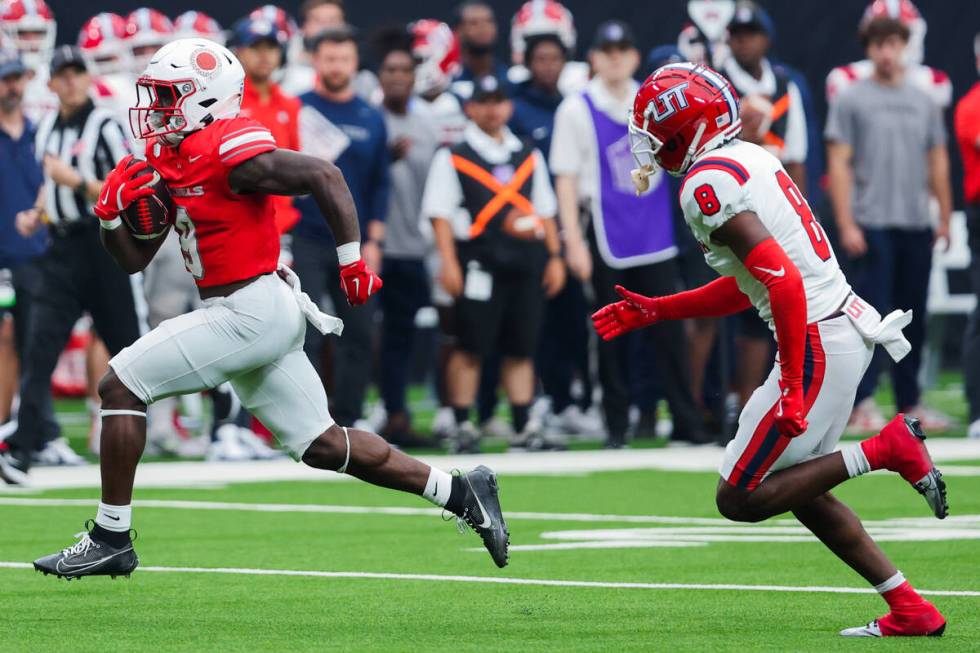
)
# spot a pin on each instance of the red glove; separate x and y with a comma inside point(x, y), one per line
point(358, 282)
point(633, 312)
point(122, 187)
point(790, 412)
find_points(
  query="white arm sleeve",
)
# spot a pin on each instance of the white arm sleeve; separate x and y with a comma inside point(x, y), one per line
point(443, 194)
point(570, 138)
point(795, 149)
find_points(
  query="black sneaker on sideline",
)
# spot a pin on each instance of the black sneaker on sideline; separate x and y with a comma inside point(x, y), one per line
point(481, 511)
point(89, 557)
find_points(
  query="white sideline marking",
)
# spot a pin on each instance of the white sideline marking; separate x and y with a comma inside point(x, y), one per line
point(688, 459)
point(363, 510)
point(543, 582)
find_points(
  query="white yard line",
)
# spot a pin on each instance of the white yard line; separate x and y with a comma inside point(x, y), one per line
point(541, 582)
point(363, 510)
point(691, 459)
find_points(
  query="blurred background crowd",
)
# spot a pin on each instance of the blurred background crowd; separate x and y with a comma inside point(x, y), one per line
point(495, 198)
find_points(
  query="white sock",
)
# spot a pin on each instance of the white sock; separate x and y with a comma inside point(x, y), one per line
point(855, 460)
point(114, 518)
point(438, 487)
point(891, 583)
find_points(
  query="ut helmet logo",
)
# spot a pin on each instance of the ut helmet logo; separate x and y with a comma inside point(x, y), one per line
point(669, 102)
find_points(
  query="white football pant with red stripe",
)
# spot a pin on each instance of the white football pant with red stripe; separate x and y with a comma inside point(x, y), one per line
point(836, 358)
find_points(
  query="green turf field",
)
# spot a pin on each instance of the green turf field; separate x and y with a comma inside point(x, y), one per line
point(166, 608)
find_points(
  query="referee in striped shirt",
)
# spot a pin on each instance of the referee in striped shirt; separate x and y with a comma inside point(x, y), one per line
point(78, 145)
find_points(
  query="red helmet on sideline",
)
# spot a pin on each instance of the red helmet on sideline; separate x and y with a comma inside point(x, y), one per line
point(681, 111)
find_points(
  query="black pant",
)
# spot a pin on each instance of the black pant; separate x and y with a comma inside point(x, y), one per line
point(971, 339)
point(316, 265)
point(895, 274)
point(666, 339)
point(406, 291)
point(76, 274)
point(26, 278)
point(564, 346)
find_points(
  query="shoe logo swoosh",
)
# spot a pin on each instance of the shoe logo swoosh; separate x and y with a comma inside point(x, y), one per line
point(483, 511)
point(65, 566)
point(781, 272)
point(111, 517)
point(192, 159)
point(105, 195)
point(357, 287)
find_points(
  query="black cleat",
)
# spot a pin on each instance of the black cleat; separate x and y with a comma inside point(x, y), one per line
point(481, 511)
point(89, 557)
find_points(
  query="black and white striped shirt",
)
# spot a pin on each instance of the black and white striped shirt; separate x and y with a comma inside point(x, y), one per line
point(91, 141)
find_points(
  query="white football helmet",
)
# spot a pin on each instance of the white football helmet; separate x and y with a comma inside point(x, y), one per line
point(538, 18)
point(29, 26)
point(101, 41)
point(188, 84)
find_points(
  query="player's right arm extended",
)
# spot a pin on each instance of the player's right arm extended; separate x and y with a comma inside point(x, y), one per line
point(718, 298)
point(285, 172)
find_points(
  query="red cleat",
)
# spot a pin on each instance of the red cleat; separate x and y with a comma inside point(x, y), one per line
point(900, 447)
point(927, 622)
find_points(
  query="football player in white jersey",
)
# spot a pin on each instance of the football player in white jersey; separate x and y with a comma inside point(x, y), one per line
point(758, 233)
point(29, 26)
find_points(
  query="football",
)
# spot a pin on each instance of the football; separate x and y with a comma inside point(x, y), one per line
point(150, 216)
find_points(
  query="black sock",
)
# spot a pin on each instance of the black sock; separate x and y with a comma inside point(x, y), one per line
point(519, 416)
point(461, 414)
point(112, 538)
point(456, 494)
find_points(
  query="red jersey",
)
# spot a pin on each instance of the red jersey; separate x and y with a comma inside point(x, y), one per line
point(225, 237)
point(280, 114)
point(966, 124)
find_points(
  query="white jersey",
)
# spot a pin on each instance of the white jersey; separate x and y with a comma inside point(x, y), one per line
point(741, 177)
point(38, 98)
point(934, 82)
point(448, 117)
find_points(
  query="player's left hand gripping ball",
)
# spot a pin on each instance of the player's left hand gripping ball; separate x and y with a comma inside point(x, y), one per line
point(359, 282)
point(790, 415)
point(633, 312)
point(122, 187)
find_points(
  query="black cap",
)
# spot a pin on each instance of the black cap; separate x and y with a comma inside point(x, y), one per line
point(488, 87)
point(67, 56)
point(750, 17)
point(613, 33)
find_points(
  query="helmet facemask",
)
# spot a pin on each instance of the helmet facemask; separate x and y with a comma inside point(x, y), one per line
point(159, 110)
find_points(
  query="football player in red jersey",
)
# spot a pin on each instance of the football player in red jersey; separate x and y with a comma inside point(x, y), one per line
point(221, 170)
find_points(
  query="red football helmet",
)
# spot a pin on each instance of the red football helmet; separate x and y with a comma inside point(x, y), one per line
point(908, 13)
point(147, 30)
point(279, 17)
point(197, 23)
point(541, 17)
point(29, 26)
point(436, 50)
point(101, 41)
point(681, 111)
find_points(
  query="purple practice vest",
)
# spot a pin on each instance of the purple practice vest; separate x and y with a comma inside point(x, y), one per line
point(630, 230)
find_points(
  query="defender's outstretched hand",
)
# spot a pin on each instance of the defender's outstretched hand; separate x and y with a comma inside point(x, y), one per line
point(359, 282)
point(122, 187)
point(633, 312)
